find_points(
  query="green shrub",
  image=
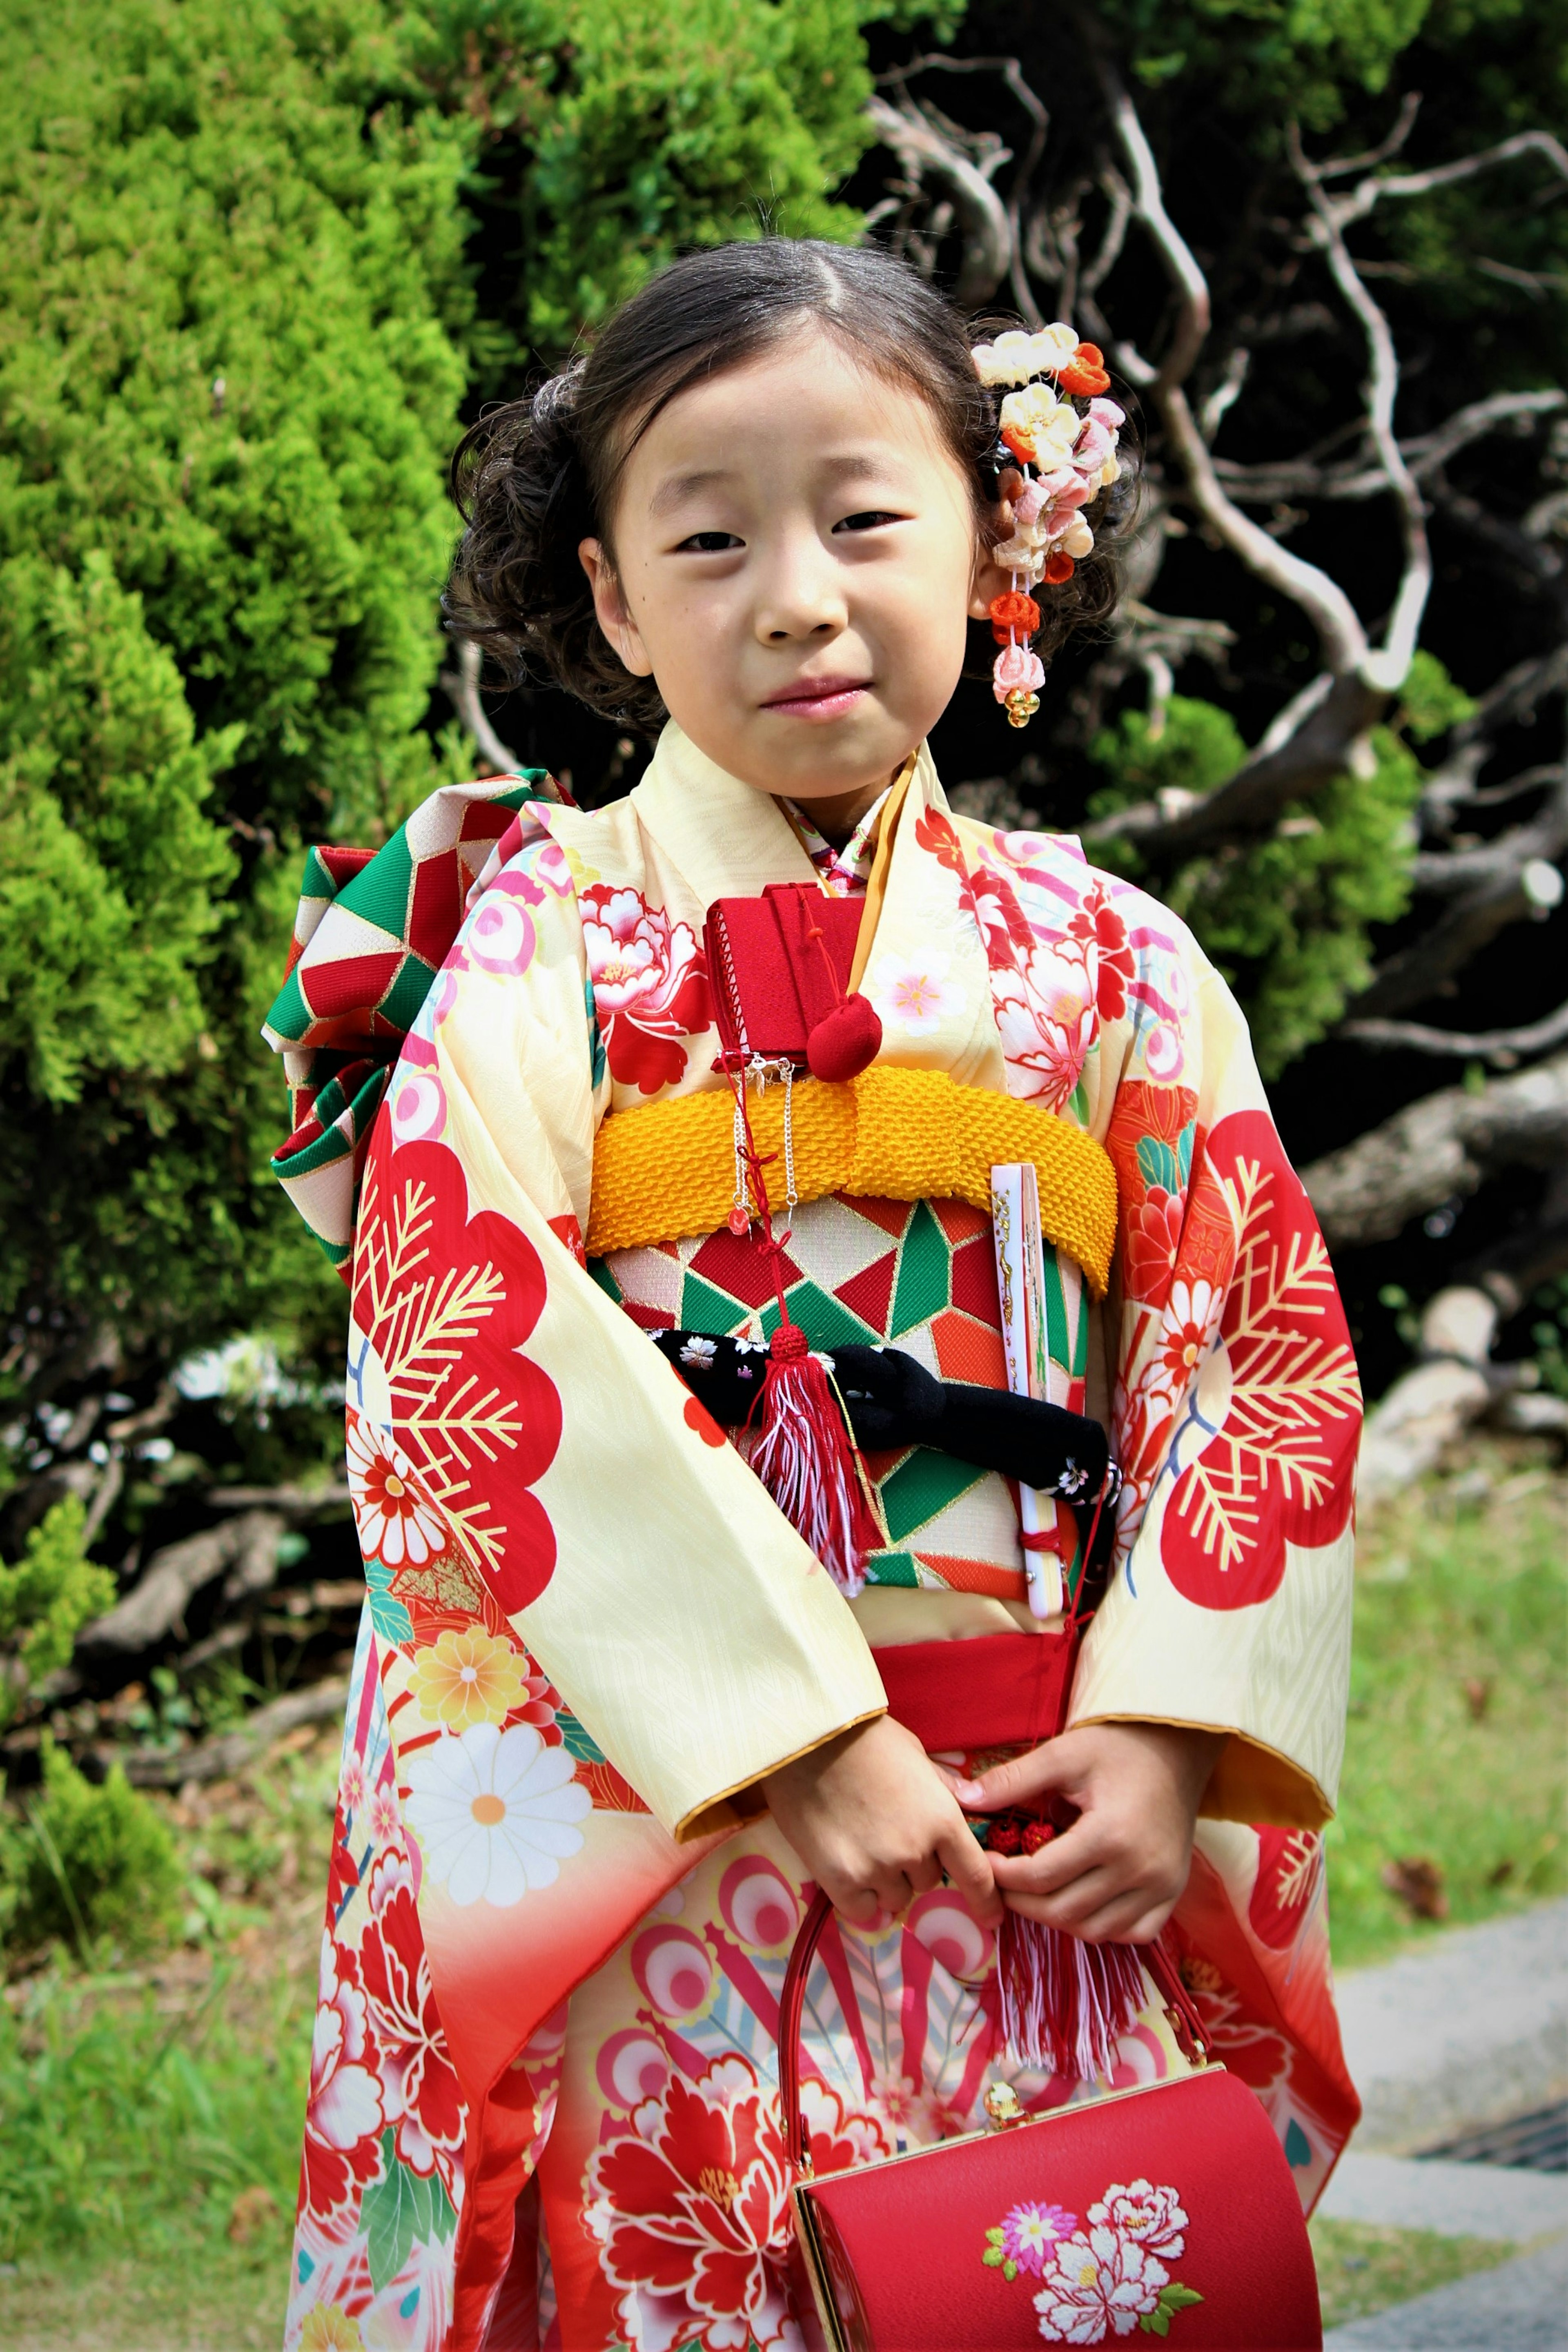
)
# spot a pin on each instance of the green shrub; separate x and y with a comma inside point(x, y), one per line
point(90, 1865)
point(51, 1591)
point(1288, 917)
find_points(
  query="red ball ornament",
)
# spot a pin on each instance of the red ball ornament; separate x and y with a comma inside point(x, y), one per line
point(846, 1042)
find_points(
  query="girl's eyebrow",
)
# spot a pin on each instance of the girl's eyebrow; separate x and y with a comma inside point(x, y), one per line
point(677, 488)
point(674, 492)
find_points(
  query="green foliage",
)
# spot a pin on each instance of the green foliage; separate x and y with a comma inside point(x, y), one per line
point(229, 286)
point(1269, 57)
point(1285, 918)
point(93, 1864)
point(237, 325)
point(52, 1590)
point(1549, 1333)
point(1429, 700)
point(646, 127)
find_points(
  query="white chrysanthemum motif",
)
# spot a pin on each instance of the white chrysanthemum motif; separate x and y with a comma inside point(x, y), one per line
point(496, 1813)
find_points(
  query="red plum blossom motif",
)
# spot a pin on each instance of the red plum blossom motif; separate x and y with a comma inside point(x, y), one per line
point(1097, 924)
point(1266, 1453)
point(442, 1303)
point(649, 984)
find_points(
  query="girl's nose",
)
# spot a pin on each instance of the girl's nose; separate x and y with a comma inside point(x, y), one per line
point(803, 595)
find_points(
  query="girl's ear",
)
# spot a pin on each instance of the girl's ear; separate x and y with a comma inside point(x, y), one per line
point(610, 607)
point(990, 578)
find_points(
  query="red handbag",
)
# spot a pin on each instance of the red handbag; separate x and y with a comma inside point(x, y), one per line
point(1167, 2208)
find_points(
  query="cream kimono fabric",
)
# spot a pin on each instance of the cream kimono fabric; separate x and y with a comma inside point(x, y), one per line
point(589, 1631)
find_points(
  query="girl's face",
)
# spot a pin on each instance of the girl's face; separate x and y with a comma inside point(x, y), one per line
point(795, 555)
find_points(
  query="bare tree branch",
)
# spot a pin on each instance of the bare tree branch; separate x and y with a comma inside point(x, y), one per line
point(1306, 477)
point(1360, 203)
point(1442, 1146)
point(1393, 660)
point(461, 688)
point(1501, 1047)
point(1249, 803)
point(1409, 108)
point(247, 1545)
point(216, 1760)
point(925, 153)
point(1322, 600)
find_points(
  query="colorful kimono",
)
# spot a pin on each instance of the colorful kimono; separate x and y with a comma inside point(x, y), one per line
point(541, 2104)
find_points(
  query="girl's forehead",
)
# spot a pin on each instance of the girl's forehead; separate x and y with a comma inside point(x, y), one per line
point(811, 399)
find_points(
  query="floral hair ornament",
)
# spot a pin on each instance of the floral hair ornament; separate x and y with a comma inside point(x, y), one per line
point(1066, 455)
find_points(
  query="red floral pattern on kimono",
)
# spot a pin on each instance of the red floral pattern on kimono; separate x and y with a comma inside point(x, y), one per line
point(650, 983)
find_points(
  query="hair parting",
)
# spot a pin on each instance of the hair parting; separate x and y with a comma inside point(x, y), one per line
point(536, 477)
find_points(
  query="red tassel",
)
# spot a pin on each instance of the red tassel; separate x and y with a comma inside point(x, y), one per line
point(1066, 2004)
point(803, 1457)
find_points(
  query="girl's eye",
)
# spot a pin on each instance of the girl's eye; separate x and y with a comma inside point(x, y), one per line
point(708, 542)
point(872, 519)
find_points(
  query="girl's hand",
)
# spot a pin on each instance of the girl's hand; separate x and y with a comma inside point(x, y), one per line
point(876, 1826)
point(1117, 1874)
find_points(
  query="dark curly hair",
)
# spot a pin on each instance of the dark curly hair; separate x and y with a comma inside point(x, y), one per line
point(534, 477)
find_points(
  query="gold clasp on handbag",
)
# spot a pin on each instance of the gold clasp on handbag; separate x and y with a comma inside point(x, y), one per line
point(1002, 2105)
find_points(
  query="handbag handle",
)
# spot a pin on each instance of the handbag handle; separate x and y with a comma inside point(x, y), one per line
point(1186, 2023)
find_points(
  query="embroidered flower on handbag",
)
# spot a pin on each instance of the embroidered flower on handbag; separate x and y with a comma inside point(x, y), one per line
point(1025, 2239)
point(699, 1353)
point(1105, 2278)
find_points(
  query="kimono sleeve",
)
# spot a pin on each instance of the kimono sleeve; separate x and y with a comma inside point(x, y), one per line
point(1237, 1413)
point(681, 1617)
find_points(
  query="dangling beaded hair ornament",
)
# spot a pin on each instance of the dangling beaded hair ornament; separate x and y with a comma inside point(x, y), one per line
point(1067, 456)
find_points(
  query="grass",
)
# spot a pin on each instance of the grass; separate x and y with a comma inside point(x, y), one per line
point(1361, 2270)
point(148, 2113)
point(1456, 1753)
point(151, 2148)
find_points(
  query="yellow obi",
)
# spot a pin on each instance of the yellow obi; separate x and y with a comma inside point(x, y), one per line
point(667, 1172)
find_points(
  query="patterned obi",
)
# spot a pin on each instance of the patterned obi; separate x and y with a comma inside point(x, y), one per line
point(920, 1276)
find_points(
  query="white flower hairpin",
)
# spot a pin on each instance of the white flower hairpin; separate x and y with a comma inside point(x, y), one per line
point(1066, 455)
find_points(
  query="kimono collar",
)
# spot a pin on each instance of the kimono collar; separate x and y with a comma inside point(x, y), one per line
point(726, 838)
point(925, 966)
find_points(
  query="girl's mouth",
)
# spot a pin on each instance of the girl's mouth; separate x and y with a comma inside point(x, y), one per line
point(824, 698)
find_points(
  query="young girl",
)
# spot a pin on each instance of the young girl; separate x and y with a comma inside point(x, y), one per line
point(609, 1720)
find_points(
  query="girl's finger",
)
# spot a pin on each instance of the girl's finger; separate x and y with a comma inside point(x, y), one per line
point(1011, 1783)
point(1054, 1864)
point(969, 1872)
point(1069, 1907)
